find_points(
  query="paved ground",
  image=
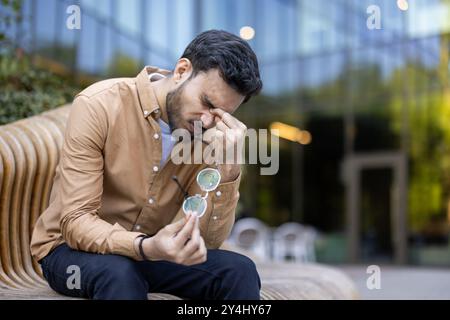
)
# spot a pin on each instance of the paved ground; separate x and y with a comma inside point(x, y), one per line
point(403, 282)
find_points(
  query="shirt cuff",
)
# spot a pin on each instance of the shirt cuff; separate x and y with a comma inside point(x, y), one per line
point(125, 244)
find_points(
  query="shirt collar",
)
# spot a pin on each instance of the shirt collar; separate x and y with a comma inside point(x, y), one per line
point(147, 97)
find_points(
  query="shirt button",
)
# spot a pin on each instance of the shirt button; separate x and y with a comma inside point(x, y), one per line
point(155, 168)
point(218, 193)
point(157, 111)
point(214, 217)
point(151, 201)
point(137, 227)
point(156, 136)
point(146, 112)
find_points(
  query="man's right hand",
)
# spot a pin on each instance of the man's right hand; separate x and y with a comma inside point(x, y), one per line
point(179, 242)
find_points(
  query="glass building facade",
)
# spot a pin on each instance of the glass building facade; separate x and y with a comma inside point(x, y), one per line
point(374, 178)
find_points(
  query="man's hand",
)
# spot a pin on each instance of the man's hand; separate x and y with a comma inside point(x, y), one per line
point(231, 132)
point(179, 242)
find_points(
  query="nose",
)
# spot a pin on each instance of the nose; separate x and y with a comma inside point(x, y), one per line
point(207, 119)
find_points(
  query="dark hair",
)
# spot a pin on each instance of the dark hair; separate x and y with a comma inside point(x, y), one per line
point(235, 59)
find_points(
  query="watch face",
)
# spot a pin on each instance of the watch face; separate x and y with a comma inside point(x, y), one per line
point(196, 204)
point(208, 179)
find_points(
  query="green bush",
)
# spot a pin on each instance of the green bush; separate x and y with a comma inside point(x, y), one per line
point(26, 90)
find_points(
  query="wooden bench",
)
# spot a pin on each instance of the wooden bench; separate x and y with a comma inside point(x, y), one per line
point(29, 153)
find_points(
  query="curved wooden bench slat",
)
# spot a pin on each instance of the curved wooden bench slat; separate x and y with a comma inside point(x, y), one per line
point(39, 182)
point(327, 282)
point(17, 201)
point(5, 281)
point(7, 220)
point(24, 232)
point(52, 138)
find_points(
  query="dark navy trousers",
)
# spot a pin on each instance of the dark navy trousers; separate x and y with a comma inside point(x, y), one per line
point(225, 275)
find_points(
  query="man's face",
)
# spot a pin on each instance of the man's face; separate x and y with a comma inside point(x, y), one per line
point(193, 98)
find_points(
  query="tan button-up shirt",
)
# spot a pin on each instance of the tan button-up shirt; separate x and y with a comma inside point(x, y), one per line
point(109, 186)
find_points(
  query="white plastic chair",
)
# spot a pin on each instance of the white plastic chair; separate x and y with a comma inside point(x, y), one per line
point(253, 235)
point(294, 242)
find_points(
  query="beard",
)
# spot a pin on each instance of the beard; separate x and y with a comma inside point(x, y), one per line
point(173, 107)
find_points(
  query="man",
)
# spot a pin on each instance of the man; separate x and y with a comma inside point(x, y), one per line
point(114, 228)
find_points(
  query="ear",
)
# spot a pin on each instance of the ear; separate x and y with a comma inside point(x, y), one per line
point(183, 70)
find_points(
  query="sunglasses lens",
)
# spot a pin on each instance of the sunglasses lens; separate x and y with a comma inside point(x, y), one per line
point(208, 179)
point(195, 204)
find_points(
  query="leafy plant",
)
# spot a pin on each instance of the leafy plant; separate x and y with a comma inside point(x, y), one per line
point(26, 90)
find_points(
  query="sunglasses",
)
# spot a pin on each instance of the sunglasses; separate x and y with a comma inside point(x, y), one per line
point(207, 179)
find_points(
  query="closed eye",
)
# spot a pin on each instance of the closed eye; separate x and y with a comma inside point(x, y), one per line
point(206, 102)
